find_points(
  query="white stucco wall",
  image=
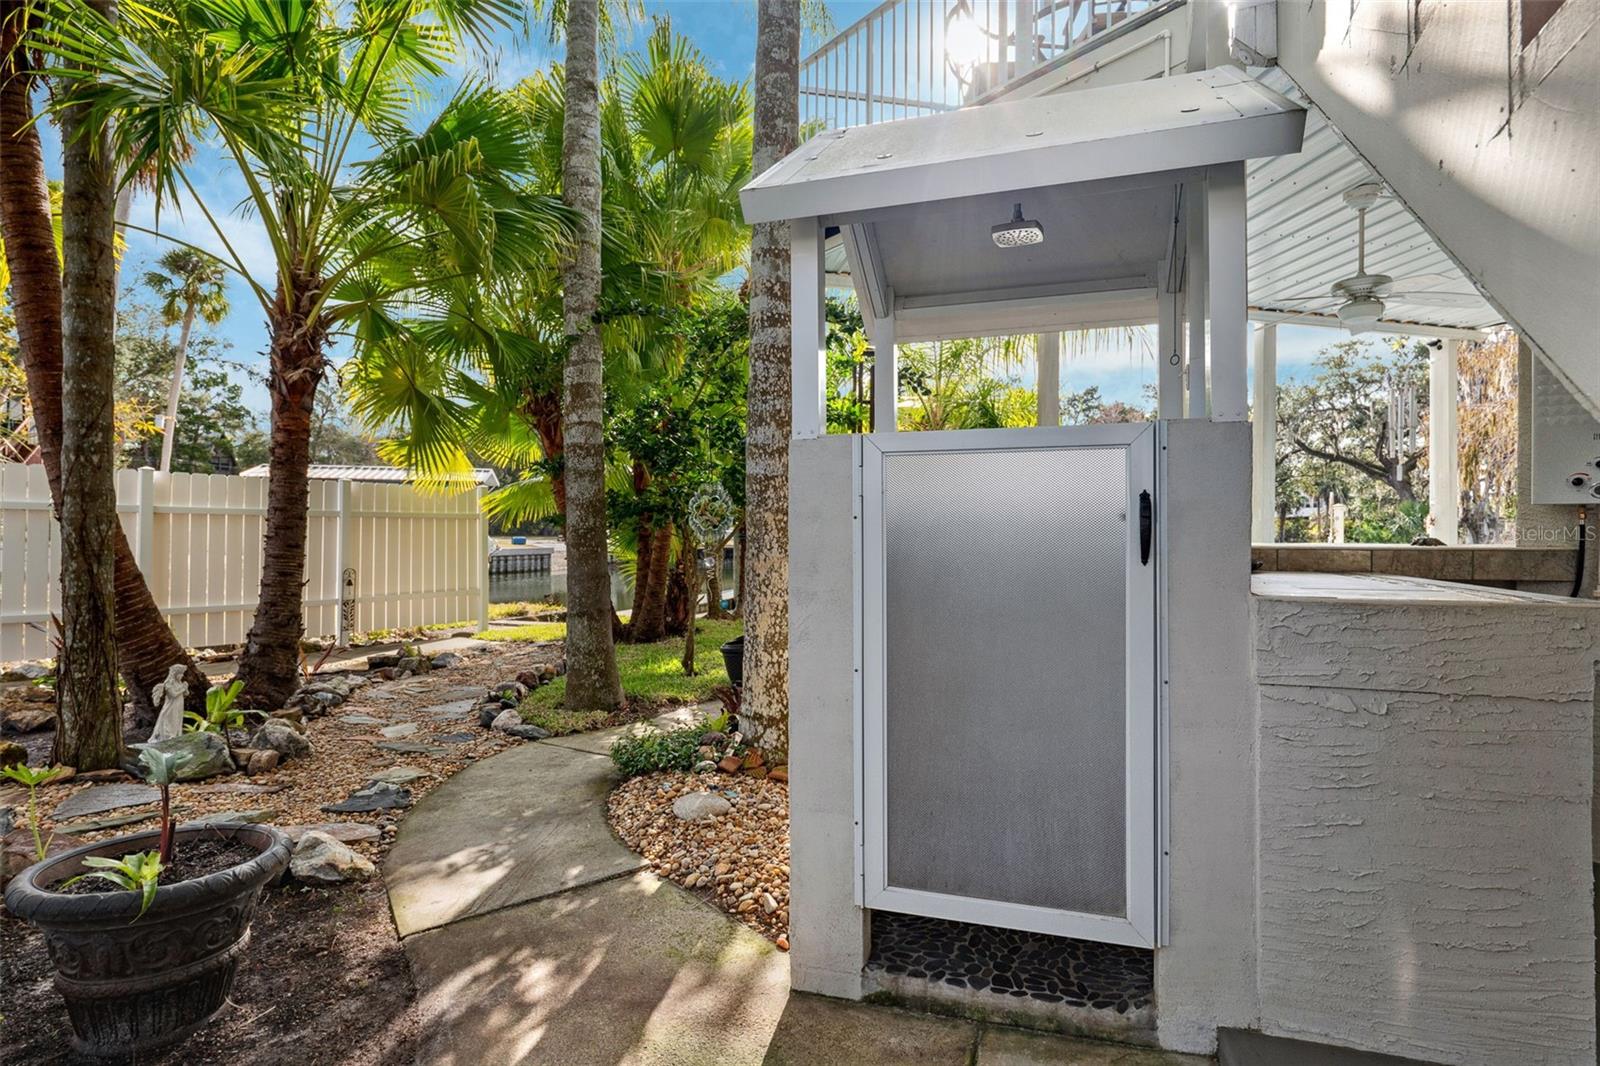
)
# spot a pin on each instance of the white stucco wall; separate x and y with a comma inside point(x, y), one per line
point(1424, 788)
point(828, 932)
point(1493, 145)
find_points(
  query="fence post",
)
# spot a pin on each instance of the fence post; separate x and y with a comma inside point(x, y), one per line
point(344, 579)
point(145, 527)
point(481, 554)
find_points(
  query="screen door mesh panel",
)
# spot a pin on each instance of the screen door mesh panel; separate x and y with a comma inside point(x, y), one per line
point(1004, 711)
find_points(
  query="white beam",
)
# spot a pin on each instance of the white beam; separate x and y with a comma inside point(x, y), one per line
point(1444, 444)
point(1225, 281)
point(1048, 347)
point(1385, 325)
point(807, 328)
point(885, 375)
point(1194, 296)
point(1264, 437)
point(1169, 344)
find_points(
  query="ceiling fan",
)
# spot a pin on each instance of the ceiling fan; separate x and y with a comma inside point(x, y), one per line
point(1360, 297)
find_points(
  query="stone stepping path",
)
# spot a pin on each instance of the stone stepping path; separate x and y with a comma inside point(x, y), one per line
point(101, 798)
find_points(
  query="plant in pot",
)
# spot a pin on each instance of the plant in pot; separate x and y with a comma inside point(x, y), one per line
point(146, 930)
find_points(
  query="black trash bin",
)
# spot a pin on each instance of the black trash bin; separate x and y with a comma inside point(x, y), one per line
point(733, 659)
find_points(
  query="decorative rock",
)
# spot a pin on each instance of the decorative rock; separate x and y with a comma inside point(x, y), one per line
point(395, 732)
point(462, 738)
point(262, 762)
point(700, 806)
point(206, 754)
point(753, 759)
point(704, 766)
point(385, 673)
point(98, 799)
point(94, 825)
point(404, 747)
point(12, 754)
point(29, 719)
point(768, 904)
point(456, 709)
point(782, 943)
point(343, 832)
point(505, 721)
point(321, 859)
point(37, 694)
point(17, 854)
point(444, 661)
point(293, 715)
point(283, 739)
point(258, 814)
point(27, 672)
point(320, 702)
point(780, 775)
point(527, 732)
point(713, 738)
point(237, 788)
point(383, 662)
point(488, 713)
point(398, 775)
point(360, 719)
point(512, 690)
point(378, 796)
point(730, 765)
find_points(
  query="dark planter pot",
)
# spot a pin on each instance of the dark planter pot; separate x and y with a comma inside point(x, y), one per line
point(135, 983)
point(733, 659)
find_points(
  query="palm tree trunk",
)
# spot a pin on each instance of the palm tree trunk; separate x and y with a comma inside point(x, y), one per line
point(169, 431)
point(764, 594)
point(88, 709)
point(145, 643)
point(650, 592)
point(546, 414)
point(592, 682)
point(270, 665)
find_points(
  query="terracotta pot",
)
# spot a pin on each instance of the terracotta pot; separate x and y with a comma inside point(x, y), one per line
point(133, 983)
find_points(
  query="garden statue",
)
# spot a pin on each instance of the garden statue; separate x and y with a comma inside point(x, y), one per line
point(168, 697)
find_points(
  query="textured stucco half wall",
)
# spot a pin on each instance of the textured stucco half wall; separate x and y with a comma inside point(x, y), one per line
point(1205, 975)
point(1424, 795)
point(828, 932)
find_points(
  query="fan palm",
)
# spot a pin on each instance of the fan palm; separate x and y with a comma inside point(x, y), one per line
point(291, 93)
point(188, 283)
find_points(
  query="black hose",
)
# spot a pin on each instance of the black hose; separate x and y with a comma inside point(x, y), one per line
point(1583, 539)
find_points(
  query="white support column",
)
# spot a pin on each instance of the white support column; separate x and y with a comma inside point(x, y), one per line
point(1048, 347)
point(1225, 283)
point(1169, 344)
point(1264, 435)
point(807, 328)
point(885, 374)
point(1444, 445)
point(341, 562)
point(1195, 292)
point(144, 541)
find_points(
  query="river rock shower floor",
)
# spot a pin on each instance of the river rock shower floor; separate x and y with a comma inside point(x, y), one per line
point(1007, 962)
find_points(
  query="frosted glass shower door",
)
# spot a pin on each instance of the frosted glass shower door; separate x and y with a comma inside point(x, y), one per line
point(1009, 678)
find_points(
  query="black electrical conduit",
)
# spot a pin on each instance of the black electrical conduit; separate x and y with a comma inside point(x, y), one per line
point(1583, 539)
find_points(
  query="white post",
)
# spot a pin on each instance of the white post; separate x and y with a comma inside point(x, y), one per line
point(1024, 16)
point(341, 562)
point(1444, 445)
point(1169, 344)
point(807, 328)
point(1048, 347)
point(885, 374)
point(482, 555)
point(1225, 281)
point(1264, 434)
point(144, 546)
point(1195, 291)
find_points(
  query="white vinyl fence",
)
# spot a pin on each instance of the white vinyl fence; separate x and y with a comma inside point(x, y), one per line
point(378, 556)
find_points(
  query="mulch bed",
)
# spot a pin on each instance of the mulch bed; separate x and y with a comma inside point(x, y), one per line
point(324, 981)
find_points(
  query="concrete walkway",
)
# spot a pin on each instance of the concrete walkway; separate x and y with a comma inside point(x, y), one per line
point(536, 937)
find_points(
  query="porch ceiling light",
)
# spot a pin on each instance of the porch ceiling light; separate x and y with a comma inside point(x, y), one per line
point(1360, 315)
point(1019, 232)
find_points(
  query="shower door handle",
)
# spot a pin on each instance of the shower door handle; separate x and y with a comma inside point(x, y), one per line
point(1146, 526)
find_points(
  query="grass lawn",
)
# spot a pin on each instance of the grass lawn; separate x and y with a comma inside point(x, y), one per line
point(533, 632)
point(651, 673)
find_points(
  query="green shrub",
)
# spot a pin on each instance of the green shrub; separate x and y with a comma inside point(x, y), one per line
point(653, 750)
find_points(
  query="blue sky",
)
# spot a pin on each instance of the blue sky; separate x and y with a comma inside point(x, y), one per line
point(724, 30)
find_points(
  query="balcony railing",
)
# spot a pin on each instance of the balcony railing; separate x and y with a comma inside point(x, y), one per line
point(909, 58)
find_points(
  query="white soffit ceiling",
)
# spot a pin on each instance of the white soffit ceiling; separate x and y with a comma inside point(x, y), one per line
point(1302, 236)
point(1166, 124)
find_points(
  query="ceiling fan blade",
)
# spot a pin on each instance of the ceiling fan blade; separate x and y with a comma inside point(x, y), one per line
point(1321, 298)
point(1438, 299)
point(1426, 281)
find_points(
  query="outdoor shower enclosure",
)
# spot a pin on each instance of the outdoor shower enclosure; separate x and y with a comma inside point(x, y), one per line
point(987, 740)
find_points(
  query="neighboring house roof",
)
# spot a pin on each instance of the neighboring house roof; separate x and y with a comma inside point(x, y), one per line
point(392, 474)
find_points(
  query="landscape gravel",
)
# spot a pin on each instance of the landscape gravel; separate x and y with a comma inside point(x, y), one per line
point(739, 860)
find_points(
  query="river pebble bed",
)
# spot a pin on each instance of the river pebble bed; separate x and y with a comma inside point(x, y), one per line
point(738, 860)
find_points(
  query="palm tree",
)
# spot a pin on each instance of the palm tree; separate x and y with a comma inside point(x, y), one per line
point(291, 92)
point(88, 707)
point(188, 283)
point(764, 594)
point(146, 646)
